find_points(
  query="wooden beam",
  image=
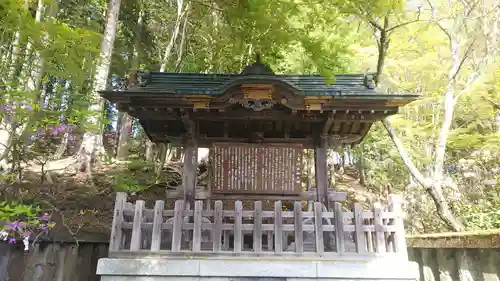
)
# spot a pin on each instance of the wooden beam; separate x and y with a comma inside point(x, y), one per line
point(242, 115)
point(208, 141)
point(320, 165)
point(203, 193)
point(184, 103)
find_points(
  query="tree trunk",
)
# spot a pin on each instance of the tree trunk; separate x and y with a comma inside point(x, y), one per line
point(149, 150)
point(9, 127)
point(6, 126)
point(360, 165)
point(92, 140)
point(125, 120)
point(62, 147)
point(180, 53)
point(181, 12)
point(383, 47)
point(434, 189)
point(124, 135)
point(162, 155)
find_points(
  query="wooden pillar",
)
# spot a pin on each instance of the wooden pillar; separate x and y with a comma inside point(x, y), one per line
point(320, 165)
point(189, 175)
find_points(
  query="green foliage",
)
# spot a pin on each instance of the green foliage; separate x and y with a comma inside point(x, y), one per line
point(139, 165)
point(137, 176)
point(419, 63)
point(10, 212)
point(20, 222)
point(128, 183)
point(484, 213)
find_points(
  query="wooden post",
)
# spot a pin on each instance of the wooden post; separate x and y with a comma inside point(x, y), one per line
point(399, 235)
point(278, 228)
point(189, 175)
point(257, 227)
point(238, 226)
point(378, 222)
point(358, 226)
point(116, 228)
point(339, 228)
point(135, 242)
point(320, 165)
point(198, 219)
point(299, 233)
point(217, 232)
point(177, 226)
point(318, 227)
point(157, 226)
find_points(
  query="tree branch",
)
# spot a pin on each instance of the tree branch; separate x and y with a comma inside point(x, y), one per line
point(460, 64)
point(414, 171)
point(405, 23)
point(434, 190)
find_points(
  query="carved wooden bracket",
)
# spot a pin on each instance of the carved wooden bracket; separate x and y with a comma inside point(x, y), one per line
point(257, 91)
point(199, 101)
point(257, 96)
point(315, 102)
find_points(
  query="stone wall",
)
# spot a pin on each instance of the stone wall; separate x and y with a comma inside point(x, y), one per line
point(457, 256)
point(50, 261)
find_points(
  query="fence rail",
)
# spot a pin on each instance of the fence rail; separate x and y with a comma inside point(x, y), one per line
point(202, 230)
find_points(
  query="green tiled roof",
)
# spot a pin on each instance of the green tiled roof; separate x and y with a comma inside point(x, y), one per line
point(216, 84)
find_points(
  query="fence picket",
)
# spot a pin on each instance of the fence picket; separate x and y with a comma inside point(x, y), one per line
point(198, 217)
point(217, 226)
point(116, 227)
point(379, 230)
point(257, 227)
point(157, 223)
point(339, 228)
point(238, 221)
point(358, 226)
point(299, 233)
point(135, 241)
point(318, 227)
point(399, 234)
point(278, 228)
point(177, 226)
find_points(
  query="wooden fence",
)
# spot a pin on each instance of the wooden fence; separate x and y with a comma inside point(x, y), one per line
point(138, 230)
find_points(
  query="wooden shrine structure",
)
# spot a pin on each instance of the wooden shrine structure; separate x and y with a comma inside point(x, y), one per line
point(257, 125)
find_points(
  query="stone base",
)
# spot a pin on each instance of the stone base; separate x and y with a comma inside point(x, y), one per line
point(251, 269)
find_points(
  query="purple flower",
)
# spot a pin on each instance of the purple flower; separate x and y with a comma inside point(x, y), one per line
point(7, 107)
point(26, 234)
point(45, 217)
point(27, 106)
point(40, 132)
point(44, 227)
point(12, 240)
point(59, 129)
point(13, 226)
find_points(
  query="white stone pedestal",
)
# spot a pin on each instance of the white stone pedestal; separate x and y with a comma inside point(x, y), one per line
point(255, 269)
